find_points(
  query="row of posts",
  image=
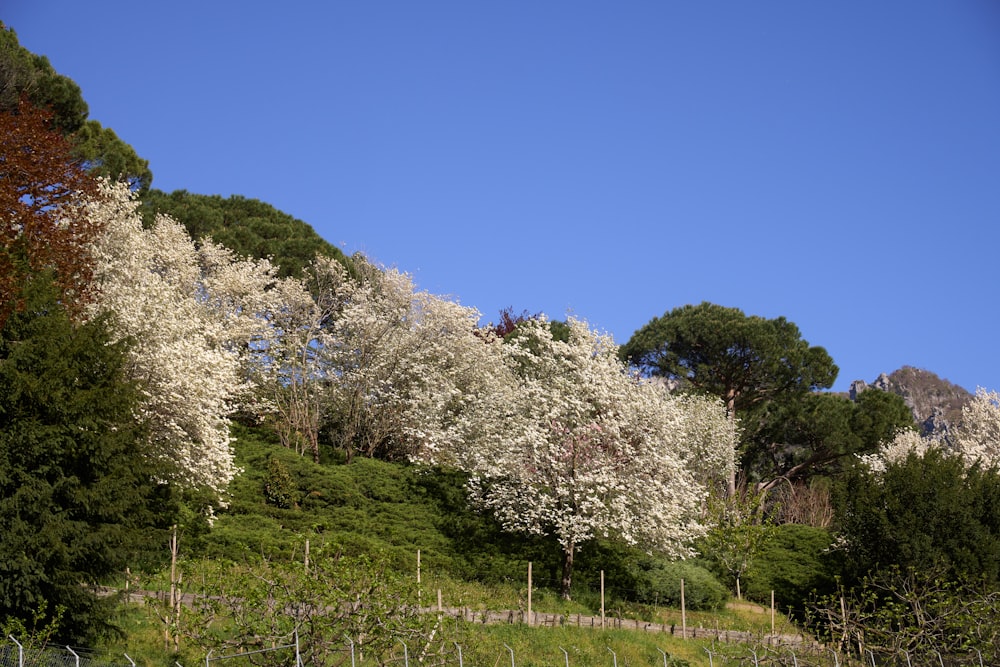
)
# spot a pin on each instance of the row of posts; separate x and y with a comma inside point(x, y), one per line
point(603, 620)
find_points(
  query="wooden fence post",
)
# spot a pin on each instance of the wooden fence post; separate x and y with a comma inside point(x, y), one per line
point(684, 623)
point(602, 599)
point(529, 593)
point(772, 611)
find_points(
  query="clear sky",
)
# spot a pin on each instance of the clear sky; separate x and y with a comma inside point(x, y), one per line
point(836, 163)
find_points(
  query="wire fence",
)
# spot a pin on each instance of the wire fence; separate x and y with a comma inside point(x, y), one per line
point(15, 654)
point(761, 651)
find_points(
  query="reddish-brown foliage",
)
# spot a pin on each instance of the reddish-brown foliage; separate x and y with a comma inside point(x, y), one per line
point(43, 223)
point(509, 321)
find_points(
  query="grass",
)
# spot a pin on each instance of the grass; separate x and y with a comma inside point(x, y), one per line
point(484, 645)
point(395, 511)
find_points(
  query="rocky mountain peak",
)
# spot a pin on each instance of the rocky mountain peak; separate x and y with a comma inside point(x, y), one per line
point(935, 402)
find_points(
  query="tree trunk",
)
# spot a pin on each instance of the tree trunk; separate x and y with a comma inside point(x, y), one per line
point(567, 576)
point(731, 415)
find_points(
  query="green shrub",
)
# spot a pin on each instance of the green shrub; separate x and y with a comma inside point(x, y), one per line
point(658, 581)
point(794, 563)
point(279, 489)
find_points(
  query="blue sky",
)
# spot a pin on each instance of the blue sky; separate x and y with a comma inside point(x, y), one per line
point(836, 163)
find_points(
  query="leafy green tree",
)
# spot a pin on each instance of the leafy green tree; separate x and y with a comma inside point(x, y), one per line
point(248, 227)
point(792, 439)
point(107, 156)
point(24, 75)
point(739, 529)
point(75, 492)
point(749, 362)
point(796, 564)
point(745, 360)
point(926, 512)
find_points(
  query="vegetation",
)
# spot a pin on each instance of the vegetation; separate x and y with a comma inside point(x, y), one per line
point(308, 425)
point(29, 78)
point(77, 495)
point(753, 364)
point(45, 224)
point(248, 227)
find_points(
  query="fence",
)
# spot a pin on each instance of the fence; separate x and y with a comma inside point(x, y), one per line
point(760, 652)
point(14, 654)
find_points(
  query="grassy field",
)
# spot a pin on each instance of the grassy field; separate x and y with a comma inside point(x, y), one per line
point(397, 512)
point(491, 645)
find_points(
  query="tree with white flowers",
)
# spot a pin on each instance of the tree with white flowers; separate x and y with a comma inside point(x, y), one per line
point(588, 449)
point(976, 440)
point(906, 441)
point(978, 437)
point(189, 311)
point(400, 366)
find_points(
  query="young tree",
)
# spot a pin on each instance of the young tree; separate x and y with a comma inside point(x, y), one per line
point(76, 489)
point(739, 528)
point(588, 449)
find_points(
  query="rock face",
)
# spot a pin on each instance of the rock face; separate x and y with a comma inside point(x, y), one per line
point(936, 403)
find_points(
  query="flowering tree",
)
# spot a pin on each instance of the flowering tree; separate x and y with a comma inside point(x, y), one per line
point(189, 311)
point(906, 441)
point(589, 450)
point(398, 364)
point(978, 437)
point(287, 369)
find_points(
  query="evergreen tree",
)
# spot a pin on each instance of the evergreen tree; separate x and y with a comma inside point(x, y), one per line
point(755, 365)
point(75, 491)
point(26, 76)
point(928, 513)
point(248, 227)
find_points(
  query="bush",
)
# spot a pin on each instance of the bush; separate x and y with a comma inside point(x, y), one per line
point(794, 564)
point(279, 489)
point(658, 581)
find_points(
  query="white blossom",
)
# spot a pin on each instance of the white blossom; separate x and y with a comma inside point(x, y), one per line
point(578, 447)
point(978, 437)
point(188, 311)
point(906, 441)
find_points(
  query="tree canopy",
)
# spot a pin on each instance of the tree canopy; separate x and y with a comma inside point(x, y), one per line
point(929, 512)
point(586, 449)
point(248, 227)
point(792, 439)
point(750, 362)
point(43, 223)
point(745, 360)
point(30, 77)
point(76, 490)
